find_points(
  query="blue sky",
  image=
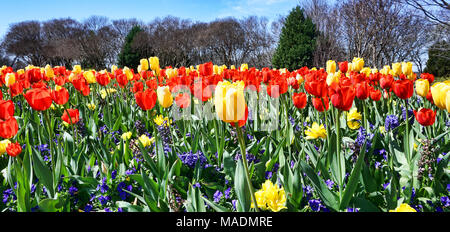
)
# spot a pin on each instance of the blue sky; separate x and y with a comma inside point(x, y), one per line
point(144, 10)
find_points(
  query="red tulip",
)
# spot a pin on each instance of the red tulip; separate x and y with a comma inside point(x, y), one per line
point(13, 149)
point(6, 109)
point(362, 90)
point(316, 85)
point(74, 116)
point(15, 89)
point(60, 96)
point(386, 81)
point(318, 104)
point(206, 69)
point(404, 89)
point(343, 98)
point(300, 100)
point(39, 99)
point(8, 128)
point(122, 80)
point(138, 86)
point(183, 100)
point(146, 99)
point(375, 94)
point(428, 76)
point(102, 79)
point(430, 97)
point(81, 85)
point(425, 117)
point(277, 86)
point(343, 66)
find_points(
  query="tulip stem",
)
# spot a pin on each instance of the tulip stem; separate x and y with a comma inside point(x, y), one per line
point(244, 161)
point(407, 132)
point(338, 152)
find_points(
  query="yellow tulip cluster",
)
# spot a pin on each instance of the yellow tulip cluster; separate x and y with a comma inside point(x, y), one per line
point(354, 119)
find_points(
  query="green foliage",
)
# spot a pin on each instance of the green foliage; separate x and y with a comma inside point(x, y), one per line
point(130, 56)
point(297, 42)
point(438, 62)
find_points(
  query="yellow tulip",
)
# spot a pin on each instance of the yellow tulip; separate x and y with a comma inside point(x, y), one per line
point(357, 64)
point(366, 71)
point(3, 145)
point(331, 66)
point(76, 69)
point(126, 135)
point(161, 121)
point(403, 208)
point(439, 92)
point(128, 73)
point(90, 77)
point(113, 68)
point(397, 68)
point(20, 72)
point(422, 87)
point(233, 67)
point(154, 64)
point(244, 67)
point(144, 64)
point(333, 78)
point(10, 79)
point(354, 119)
point(386, 70)
point(229, 101)
point(49, 71)
point(316, 131)
point(447, 101)
point(407, 68)
point(270, 197)
point(146, 141)
point(165, 98)
point(91, 106)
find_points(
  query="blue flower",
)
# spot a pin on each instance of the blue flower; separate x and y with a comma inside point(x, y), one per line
point(73, 190)
point(227, 193)
point(88, 208)
point(103, 187)
point(104, 199)
point(190, 159)
point(445, 201)
point(113, 174)
point(314, 204)
point(352, 209)
point(329, 183)
point(391, 122)
point(217, 196)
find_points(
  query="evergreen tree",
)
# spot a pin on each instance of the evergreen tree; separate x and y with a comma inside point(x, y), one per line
point(297, 42)
point(128, 56)
point(438, 62)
